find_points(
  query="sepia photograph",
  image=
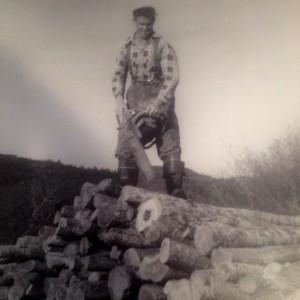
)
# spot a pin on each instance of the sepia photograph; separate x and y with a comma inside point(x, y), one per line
point(150, 149)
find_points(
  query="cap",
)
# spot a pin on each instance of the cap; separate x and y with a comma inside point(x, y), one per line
point(145, 11)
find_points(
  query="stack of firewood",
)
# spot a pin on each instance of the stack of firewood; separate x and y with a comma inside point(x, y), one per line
point(225, 253)
point(23, 267)
point(150, 246)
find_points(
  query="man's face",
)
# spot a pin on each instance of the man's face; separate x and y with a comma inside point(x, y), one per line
point(144, 27)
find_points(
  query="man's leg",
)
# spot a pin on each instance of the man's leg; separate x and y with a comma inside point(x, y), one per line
point(168, 147)
point(128, 171)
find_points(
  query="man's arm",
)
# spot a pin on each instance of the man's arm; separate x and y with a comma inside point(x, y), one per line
point(170, 70)
point(119, 81)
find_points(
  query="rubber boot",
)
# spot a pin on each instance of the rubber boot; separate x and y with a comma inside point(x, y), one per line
point(173, 174)
point(128, 172)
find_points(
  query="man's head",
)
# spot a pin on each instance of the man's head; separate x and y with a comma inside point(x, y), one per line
point(144, 18)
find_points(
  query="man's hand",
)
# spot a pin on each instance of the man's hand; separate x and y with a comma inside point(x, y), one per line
point(152, 110)
point(120, 108)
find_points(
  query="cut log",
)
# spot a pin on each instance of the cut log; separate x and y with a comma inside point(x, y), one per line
point(34, 292)
point(92, 291)
point(152, 269)
point(104, 185)
point(128, 238)
point(66, 228)
point(72, 249)
point(4, 293)
point(27, 240)
point(85, 227)
point(82, 214)
point(178, 290)
point(97, 276)
point(68, 211)
point(182, 256)
point(77, 203)
point(134, 256)
point(136, 196)
point(98, 262)
point(74, 262)
point(55, 260)
point(151, 292)
point(122, 283)
point(64, 276)
point(111, 212)
point(54, 240)
point(88, 190)
point(50, 283)
point(200, 283)
point(259, 256)
point(57, 218)
point(207, 238)
point(36, 266)
point(45, 232)
point(21, 284)
point(61, 292)
point(85, 246)
point(173, 226)
point(115, 253)
point(14, 252)
point(6, 280)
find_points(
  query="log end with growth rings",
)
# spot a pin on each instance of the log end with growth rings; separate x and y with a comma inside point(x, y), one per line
point(148, 212)
point(203, 239)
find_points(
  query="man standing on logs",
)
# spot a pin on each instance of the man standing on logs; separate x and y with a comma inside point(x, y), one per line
point(153, 67)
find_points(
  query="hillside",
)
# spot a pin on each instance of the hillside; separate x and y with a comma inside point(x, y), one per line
point(32, 191)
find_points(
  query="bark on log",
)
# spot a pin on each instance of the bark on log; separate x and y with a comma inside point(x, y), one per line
point(172, 226)
point(134, 256)
point(27, 240)
point(36, 266)
point(182, 256)
point(98, 262)
point(91, 291)
point(14, 252)
point(111, 212)
point(207, 238)
point(178, 290)
point(128, 238)
point(259, 256)
point(135, 196)
point(153, 269)
point(151, 292)
point(122, 283)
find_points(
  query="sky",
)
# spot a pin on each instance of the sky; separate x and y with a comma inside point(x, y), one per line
point(239, 77)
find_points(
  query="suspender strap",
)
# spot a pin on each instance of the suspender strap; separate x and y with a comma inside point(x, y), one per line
point(156, 58)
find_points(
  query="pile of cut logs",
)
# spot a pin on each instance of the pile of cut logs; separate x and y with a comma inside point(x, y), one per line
point(150, 246)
